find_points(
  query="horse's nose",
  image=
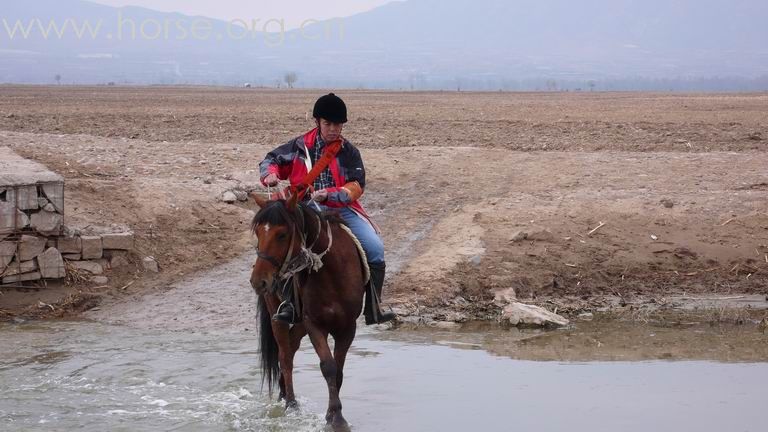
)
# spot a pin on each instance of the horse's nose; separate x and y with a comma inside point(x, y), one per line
point(260, 285)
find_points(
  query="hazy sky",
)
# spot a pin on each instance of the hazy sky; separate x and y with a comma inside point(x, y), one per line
point(292, 11)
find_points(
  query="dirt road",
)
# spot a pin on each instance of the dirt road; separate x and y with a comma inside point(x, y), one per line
point(567, 198)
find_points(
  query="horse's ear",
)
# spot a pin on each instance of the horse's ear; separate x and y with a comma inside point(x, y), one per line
point(261, 202)
point(292, 201)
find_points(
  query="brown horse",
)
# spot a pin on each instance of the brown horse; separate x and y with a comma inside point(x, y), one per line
point(328, 277)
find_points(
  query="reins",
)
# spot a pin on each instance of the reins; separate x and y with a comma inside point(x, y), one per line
point(330, 152)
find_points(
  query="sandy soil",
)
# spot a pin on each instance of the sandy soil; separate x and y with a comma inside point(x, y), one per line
point(475, 193)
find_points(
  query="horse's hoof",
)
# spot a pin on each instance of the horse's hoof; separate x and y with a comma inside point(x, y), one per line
point(291, 405)
point(339, 424)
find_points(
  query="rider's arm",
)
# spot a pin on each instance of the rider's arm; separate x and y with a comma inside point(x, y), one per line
point(352, 190)
point(279, 161)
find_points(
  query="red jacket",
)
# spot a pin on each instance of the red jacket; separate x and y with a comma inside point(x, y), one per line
point(291, 162)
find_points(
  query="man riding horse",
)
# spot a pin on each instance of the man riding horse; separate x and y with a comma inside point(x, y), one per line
point(338, 187)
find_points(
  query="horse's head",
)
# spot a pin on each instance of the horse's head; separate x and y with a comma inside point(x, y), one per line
point(279, 238)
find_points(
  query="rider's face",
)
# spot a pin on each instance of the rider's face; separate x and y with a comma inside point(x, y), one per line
point(330, 131)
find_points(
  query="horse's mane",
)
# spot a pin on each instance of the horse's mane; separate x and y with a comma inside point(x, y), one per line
point(276, 213)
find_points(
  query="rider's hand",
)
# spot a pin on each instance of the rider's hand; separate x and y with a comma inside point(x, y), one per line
point(320, 195)
point(271, 180)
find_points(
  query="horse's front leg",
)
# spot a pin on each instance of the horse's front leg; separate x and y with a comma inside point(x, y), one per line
point(288, 340)
point(340, 349)
point(330, 372)
point(286, 357)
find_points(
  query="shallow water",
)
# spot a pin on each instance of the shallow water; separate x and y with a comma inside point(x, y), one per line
point(95, 377)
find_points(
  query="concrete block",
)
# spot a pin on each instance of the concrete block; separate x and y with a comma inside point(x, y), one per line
point(22, 277)
point(69, 245)
point(51, 264)
point(92, 267)
point(31, 246)
point(120, 241)
point(25, 197)
point(11, 218)
point(16, 267)
point(46, 222)
point(92, 247)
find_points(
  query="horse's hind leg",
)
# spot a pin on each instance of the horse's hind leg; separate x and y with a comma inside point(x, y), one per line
point(330, 373)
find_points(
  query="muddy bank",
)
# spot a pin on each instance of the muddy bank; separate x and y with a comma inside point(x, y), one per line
point(574, 227)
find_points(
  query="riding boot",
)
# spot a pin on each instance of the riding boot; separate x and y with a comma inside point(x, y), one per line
point(286, 312)
point(372, 311)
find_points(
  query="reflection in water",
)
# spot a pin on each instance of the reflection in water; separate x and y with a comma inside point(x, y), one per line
point(603, 341)
point(94, 377)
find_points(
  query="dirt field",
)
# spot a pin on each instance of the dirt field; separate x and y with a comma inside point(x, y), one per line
point(580, 201)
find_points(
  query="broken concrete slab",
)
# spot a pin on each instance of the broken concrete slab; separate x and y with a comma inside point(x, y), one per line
point(150, 264)
point(9, 223)
point(42, 202)
point(22, 277)
point(17, 267)
point(92, 267)
point(18, 171)
point(120, 241)
point(525, 315)
point(91, 247)
point(228, 197)
point(100, 280)
point(23, 197)
point(51, 264)
point(46, 222)
point(55, 194)
point(504, 297)
point(31, 246)
point(7, 251)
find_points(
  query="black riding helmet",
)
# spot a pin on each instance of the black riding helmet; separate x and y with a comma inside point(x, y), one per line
point(331, 108)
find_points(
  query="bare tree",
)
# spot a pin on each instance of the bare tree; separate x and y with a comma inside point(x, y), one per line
point(290, 78)
point(551, 85)
point(58, 79)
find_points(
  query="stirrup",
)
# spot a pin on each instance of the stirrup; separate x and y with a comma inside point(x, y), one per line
point(379, 317)
point(285, 313)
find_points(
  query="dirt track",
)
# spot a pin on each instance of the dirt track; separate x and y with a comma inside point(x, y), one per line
point(679, 182)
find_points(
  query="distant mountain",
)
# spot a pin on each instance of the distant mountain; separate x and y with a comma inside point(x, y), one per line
point(416, 43)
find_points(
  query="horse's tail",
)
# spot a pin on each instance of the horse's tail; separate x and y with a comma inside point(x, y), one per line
point(270, 363)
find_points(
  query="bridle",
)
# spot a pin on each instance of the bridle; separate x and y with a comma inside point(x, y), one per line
point(305, 259)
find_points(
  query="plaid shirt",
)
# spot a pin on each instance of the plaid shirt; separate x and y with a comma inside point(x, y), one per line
point(325, 179)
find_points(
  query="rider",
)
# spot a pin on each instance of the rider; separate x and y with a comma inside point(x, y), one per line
point(338, 187)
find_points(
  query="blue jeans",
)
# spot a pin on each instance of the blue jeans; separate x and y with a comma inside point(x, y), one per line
point(363, 230)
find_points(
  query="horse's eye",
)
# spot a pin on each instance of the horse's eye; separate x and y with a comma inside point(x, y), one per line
point(282, 236)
